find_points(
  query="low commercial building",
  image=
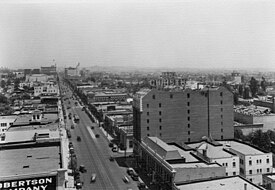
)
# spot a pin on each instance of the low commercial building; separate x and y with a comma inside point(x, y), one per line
point(46, 89)
point(106, 97)
point(217, 153)
point(6, 122)
point(254, 115)
point(226, 183)
point(29, 167)
point(171, 164)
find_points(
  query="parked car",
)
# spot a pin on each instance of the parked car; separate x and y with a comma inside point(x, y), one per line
point(134, 176)
point(130, 171)
point(92, 127)
point(70, 145)
point(82, 169)
point(111, 145)
point(126, 179)
point(97, 135)
point(142, 186)
point(78, 138)
point(111, 158)
point(115, 149)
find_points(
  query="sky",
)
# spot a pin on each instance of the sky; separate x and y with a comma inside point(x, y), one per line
point(138, 33)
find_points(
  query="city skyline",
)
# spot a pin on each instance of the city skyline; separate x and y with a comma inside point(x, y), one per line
point(173, 34)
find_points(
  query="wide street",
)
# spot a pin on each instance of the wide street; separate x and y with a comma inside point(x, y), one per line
point(94, 153)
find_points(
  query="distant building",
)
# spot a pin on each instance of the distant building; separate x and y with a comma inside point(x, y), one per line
point(71, 72)
point(46, 89)
point(37, 78)
point(48, 70)
point(168, 80)
point(5, 123)
point(183, 116)
point(237, 79)
point(106, 97)
point(253, 116)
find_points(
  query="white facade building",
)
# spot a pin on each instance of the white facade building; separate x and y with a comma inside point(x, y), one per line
point(47, 88)
point(37, 78)
point(6, 122)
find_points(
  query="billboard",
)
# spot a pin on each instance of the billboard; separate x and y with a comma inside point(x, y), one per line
point(36, 183)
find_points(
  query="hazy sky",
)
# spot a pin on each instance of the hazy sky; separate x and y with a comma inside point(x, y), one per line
point(170, 33)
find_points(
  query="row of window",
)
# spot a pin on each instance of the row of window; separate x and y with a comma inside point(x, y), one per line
point(257, 161)
point(259, 171)
point(234, 173)
point(233, 164)
point(188, 95)
point(4, 124)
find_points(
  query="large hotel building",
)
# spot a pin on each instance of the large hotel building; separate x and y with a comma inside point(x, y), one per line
point(183, 116)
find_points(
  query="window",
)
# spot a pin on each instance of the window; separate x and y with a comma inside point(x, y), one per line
point(250, 162)
point(171, 95)
point(250, 171)
point(267, 170)
point(160, 120)
point(148, 113)
point(160, 105)
point(148, 128)
point(147, 105)
point(188, 103)
point(148, 135)
point(189, 139)
point(160, 134)
point(221, 123)
point(222, 130)
point(160, 127)
point(221, 116)
point(188, 132)
point(147, 120)
point(154, 97)
point(221, 102)
point(257, 161)
point(226, 174)
point(234, 173)
point(267, 160)
point(221, 109)
point(188, 95)
point(188, 111)
point(131, 144)
point(188, 118)
point(234, 164)
point(160, 113)
point(221, 94)
point(226, 164)
point(222, 137)
point(188, 125)
point(260, 161)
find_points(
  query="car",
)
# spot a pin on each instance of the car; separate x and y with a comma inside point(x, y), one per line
point(111, 145)
point(82, 169)
point(142, 186)
point(125, 179)
point(111, 158)
point(134, 176)
point(72, 126)
point(70, 145)
point(115, 149)
point(93, 178)
point(78, 184)
point(92, 127)
point(78, 138)
point(130, 171)
point(97, 135)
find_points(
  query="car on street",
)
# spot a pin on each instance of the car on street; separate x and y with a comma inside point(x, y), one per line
point(142, 186)
point(70, 145)
point(93, 178)
point(78, 138)
point(111, 145)
point(97, 135)
point(130, 171)
point(115, 149)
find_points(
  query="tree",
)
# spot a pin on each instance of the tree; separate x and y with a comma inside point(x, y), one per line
point(3, 84)
point(253, 86)
point(263, 84)
point(8, 82)
point(3, 99)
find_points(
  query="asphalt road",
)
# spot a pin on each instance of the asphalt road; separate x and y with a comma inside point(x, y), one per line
point(94, 154)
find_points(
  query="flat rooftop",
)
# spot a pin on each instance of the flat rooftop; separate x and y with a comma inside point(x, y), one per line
point(253, 110)
point(228, 183)
point(186, 154)
point(195, 165)
point(241, 147)
point(29, 160)
point(28, 135)
point(211, 150)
